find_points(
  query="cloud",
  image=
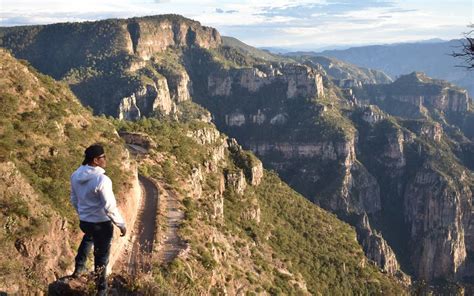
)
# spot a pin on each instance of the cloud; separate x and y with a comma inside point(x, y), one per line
point(219, 10)
point(50, 18)
point(269, 22)
point(331, 8)
point(400, 10)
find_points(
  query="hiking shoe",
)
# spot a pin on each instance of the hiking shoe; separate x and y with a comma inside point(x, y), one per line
point(78, 273)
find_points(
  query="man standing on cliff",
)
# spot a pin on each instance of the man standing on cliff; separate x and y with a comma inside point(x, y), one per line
point(94, 201)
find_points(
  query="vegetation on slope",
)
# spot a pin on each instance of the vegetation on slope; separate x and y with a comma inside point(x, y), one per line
point(252, 51)
point(43, 133)
point(294, 248)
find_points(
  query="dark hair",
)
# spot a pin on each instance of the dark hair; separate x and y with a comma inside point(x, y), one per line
point(92, 152)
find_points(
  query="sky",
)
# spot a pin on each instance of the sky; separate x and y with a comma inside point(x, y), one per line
point(303, 25)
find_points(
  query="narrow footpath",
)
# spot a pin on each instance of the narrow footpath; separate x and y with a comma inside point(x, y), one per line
point(143, 235)
point(173, 244)
point(144, 231)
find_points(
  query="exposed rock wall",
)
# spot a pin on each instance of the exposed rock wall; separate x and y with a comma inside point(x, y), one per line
point(393, 153)
point(140, 139)
point(145, 100)
point(301, 81)
point(109, 55)
point(215, 168)
point(180, 87)
point(163, 101)
point(418, 91)
point(149, 35)
point(359, 192)
point(372, 114)
point(323, 150)
point(438, 210)
point(376, 248)
point(236, 181)
point(431, 131)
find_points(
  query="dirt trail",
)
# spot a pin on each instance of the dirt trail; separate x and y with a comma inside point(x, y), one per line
point(173, 244)
point(143, 232)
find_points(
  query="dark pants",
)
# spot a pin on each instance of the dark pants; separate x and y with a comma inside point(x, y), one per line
point(99, 235)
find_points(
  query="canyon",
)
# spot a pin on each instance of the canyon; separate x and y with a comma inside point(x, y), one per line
point(391, 158)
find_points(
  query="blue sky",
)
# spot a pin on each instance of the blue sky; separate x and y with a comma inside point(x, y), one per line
point(277, 23)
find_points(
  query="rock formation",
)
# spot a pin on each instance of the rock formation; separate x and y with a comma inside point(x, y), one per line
point(441, 207)
point(417, 93)
point(150, 35)
point(112, 54)
point(301, 81)
point(375, 247)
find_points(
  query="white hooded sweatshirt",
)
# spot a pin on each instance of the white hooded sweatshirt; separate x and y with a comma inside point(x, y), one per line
point(92, 196)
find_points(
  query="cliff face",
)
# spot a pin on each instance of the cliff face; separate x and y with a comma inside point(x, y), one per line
point(300, 80)
point(115, 56)
point(151, 35)
point(363, 167)
point(239, 218)
point(433, 202)
point(376, 248)
point(441, 206)
point(417, 95)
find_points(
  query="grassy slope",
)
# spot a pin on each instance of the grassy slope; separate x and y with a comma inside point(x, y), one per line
point(295, 244)
point(43, 133)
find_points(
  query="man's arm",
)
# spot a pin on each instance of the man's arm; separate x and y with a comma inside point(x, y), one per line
point(110, 204)
point(73, 198)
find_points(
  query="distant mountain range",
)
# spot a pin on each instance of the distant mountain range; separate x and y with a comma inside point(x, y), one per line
point(433, 58)
point(319, 48)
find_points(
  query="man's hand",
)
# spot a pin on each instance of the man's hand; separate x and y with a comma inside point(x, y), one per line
point(123, 230)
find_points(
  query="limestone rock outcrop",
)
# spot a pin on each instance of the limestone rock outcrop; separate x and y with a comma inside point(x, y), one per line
point(372, 114)
point(359, 192)
point(393, 152)
point(139, 139)
point(439, 206)
point(179, 85)
point(376, 248)
point(236, 181)
point(301, 80)
point(324, 150)
point(251, 166)
point(417, 94)
point(149, 35)
point(145, 100)
point(431, 131)
point(252, 212)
